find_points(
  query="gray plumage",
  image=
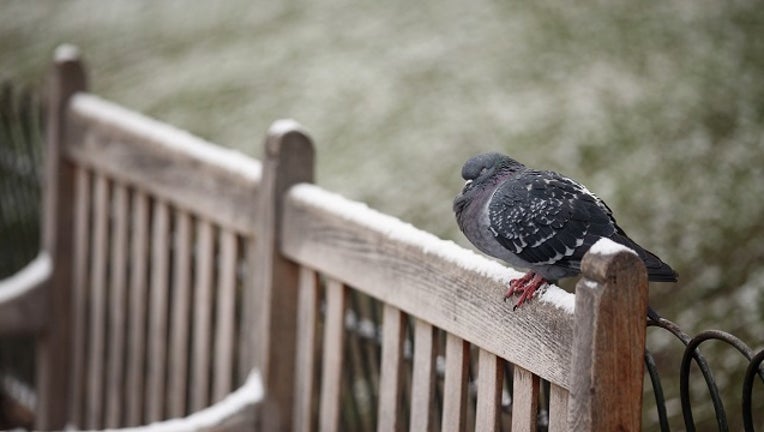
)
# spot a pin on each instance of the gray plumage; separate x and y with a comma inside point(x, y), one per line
point(538, 220)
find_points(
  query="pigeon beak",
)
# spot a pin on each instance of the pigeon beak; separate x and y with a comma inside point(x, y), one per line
point(466, 185)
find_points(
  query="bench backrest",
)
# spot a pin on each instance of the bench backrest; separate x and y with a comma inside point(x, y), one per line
point(179, 266)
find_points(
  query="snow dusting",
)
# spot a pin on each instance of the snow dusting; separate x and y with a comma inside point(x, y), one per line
point(174, 139)
point(559, 298)
point(66, 53)
point(280, 127)
point(27, 278)
point(392, 227)
point(248, 394)
point(605, 246)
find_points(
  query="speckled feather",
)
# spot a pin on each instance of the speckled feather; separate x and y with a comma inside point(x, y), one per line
point(538, 220)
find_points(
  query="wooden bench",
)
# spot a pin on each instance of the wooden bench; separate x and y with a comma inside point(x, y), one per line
point(175, 272)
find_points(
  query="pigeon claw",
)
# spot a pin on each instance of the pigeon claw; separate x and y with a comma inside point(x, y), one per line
point(526, 286)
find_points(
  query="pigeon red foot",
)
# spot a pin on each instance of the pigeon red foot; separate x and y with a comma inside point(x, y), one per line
point(526, 286)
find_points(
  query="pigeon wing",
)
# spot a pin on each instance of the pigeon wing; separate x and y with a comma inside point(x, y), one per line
point(544, 218)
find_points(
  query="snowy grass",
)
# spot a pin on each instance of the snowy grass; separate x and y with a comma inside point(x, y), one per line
point(657, 107)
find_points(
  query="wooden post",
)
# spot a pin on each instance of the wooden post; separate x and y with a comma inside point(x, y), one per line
point(54, 346)
point(609, 341)
point(288, 160)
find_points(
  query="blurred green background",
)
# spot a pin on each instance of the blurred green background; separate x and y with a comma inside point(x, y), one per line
point(657, 106)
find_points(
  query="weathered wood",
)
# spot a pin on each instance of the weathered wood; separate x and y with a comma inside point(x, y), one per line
point(558, 409)
point(490, 380)
point(307, 334)
point(525, 400)
point(288, 160)
point(609, 342)
point(224, 316)
point(202, 323)
point(117, 311)
point(22, 298)
point(97, 305)
point(455, 384)
point(391, 371)
point(180, 327)
point(158, 293)
point(393, 262)
point(331, 371)
point(79, 293)
point(135, 377)
point(54, 353)
point(166, 163)
point(423, 385)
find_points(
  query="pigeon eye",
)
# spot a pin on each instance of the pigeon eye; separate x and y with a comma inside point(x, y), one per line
point(483, 170)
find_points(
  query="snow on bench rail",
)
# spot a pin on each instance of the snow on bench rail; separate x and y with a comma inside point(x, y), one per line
point(605, 246)
point(248, 394)
point(136, 124)
point(27, 278)
point(395, 229)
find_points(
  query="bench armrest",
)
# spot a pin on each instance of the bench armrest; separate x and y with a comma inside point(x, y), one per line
point(22, 298)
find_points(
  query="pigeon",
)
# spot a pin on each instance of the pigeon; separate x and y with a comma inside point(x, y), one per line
point(539, 221)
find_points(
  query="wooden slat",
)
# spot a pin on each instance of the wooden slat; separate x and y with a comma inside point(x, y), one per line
point(422, 275)
point(455, 384)
point(609, 342)
point(558, 409)
point(525, 399)
point(307, 334)
point(249, 302)
point(158, 290)
point(179, 333)
point(97, 306)
point(423, 385)
point(490, 374)
point(158, 158)
point(135, 379)
point(391, 371)
point(79, 293)
point(331, 372)
point(225, 316)
point(117, 302)
point(202, 323)
point(54, 348)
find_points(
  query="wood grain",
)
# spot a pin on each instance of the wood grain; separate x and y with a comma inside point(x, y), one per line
point(181, 324)
point(225, 316)
point(305, 362)
point(455, 384)
point(331, 371)
point(558, 409)
point(117, 311)
point(391, 371)
point(490, 380)
point(609, 343)
point(525, 400)
point(166, 163)
point(158, 299)
point(202, 323)
point(450, 295)
point(423, 385)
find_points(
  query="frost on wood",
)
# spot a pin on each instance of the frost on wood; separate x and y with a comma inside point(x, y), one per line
point(114, 116)
point(244, 398)
point(284, 126)
point(606, 246)
point(395, 229)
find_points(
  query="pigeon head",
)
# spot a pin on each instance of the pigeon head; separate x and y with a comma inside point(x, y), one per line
point(487, 170)
point(482, 174)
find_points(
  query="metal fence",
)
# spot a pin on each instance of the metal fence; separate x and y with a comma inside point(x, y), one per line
point(21, 137)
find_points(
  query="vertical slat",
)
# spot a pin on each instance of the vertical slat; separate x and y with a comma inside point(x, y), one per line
point(331, 373)
point(307, 332)
point(117, 301)
point(490, 374)
point(79, 302)
point(525, 400)
point(157, 364)
point(54, 345)
point(224, 329)
point(135, 378)
point(607, 365)
point(391, 372)
point(558, 409)
point(288, 160)
point(455, 384)
point(249, 299)
point(178, 381)
point(97, 326)
point(423, 385)
point(202, 316)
